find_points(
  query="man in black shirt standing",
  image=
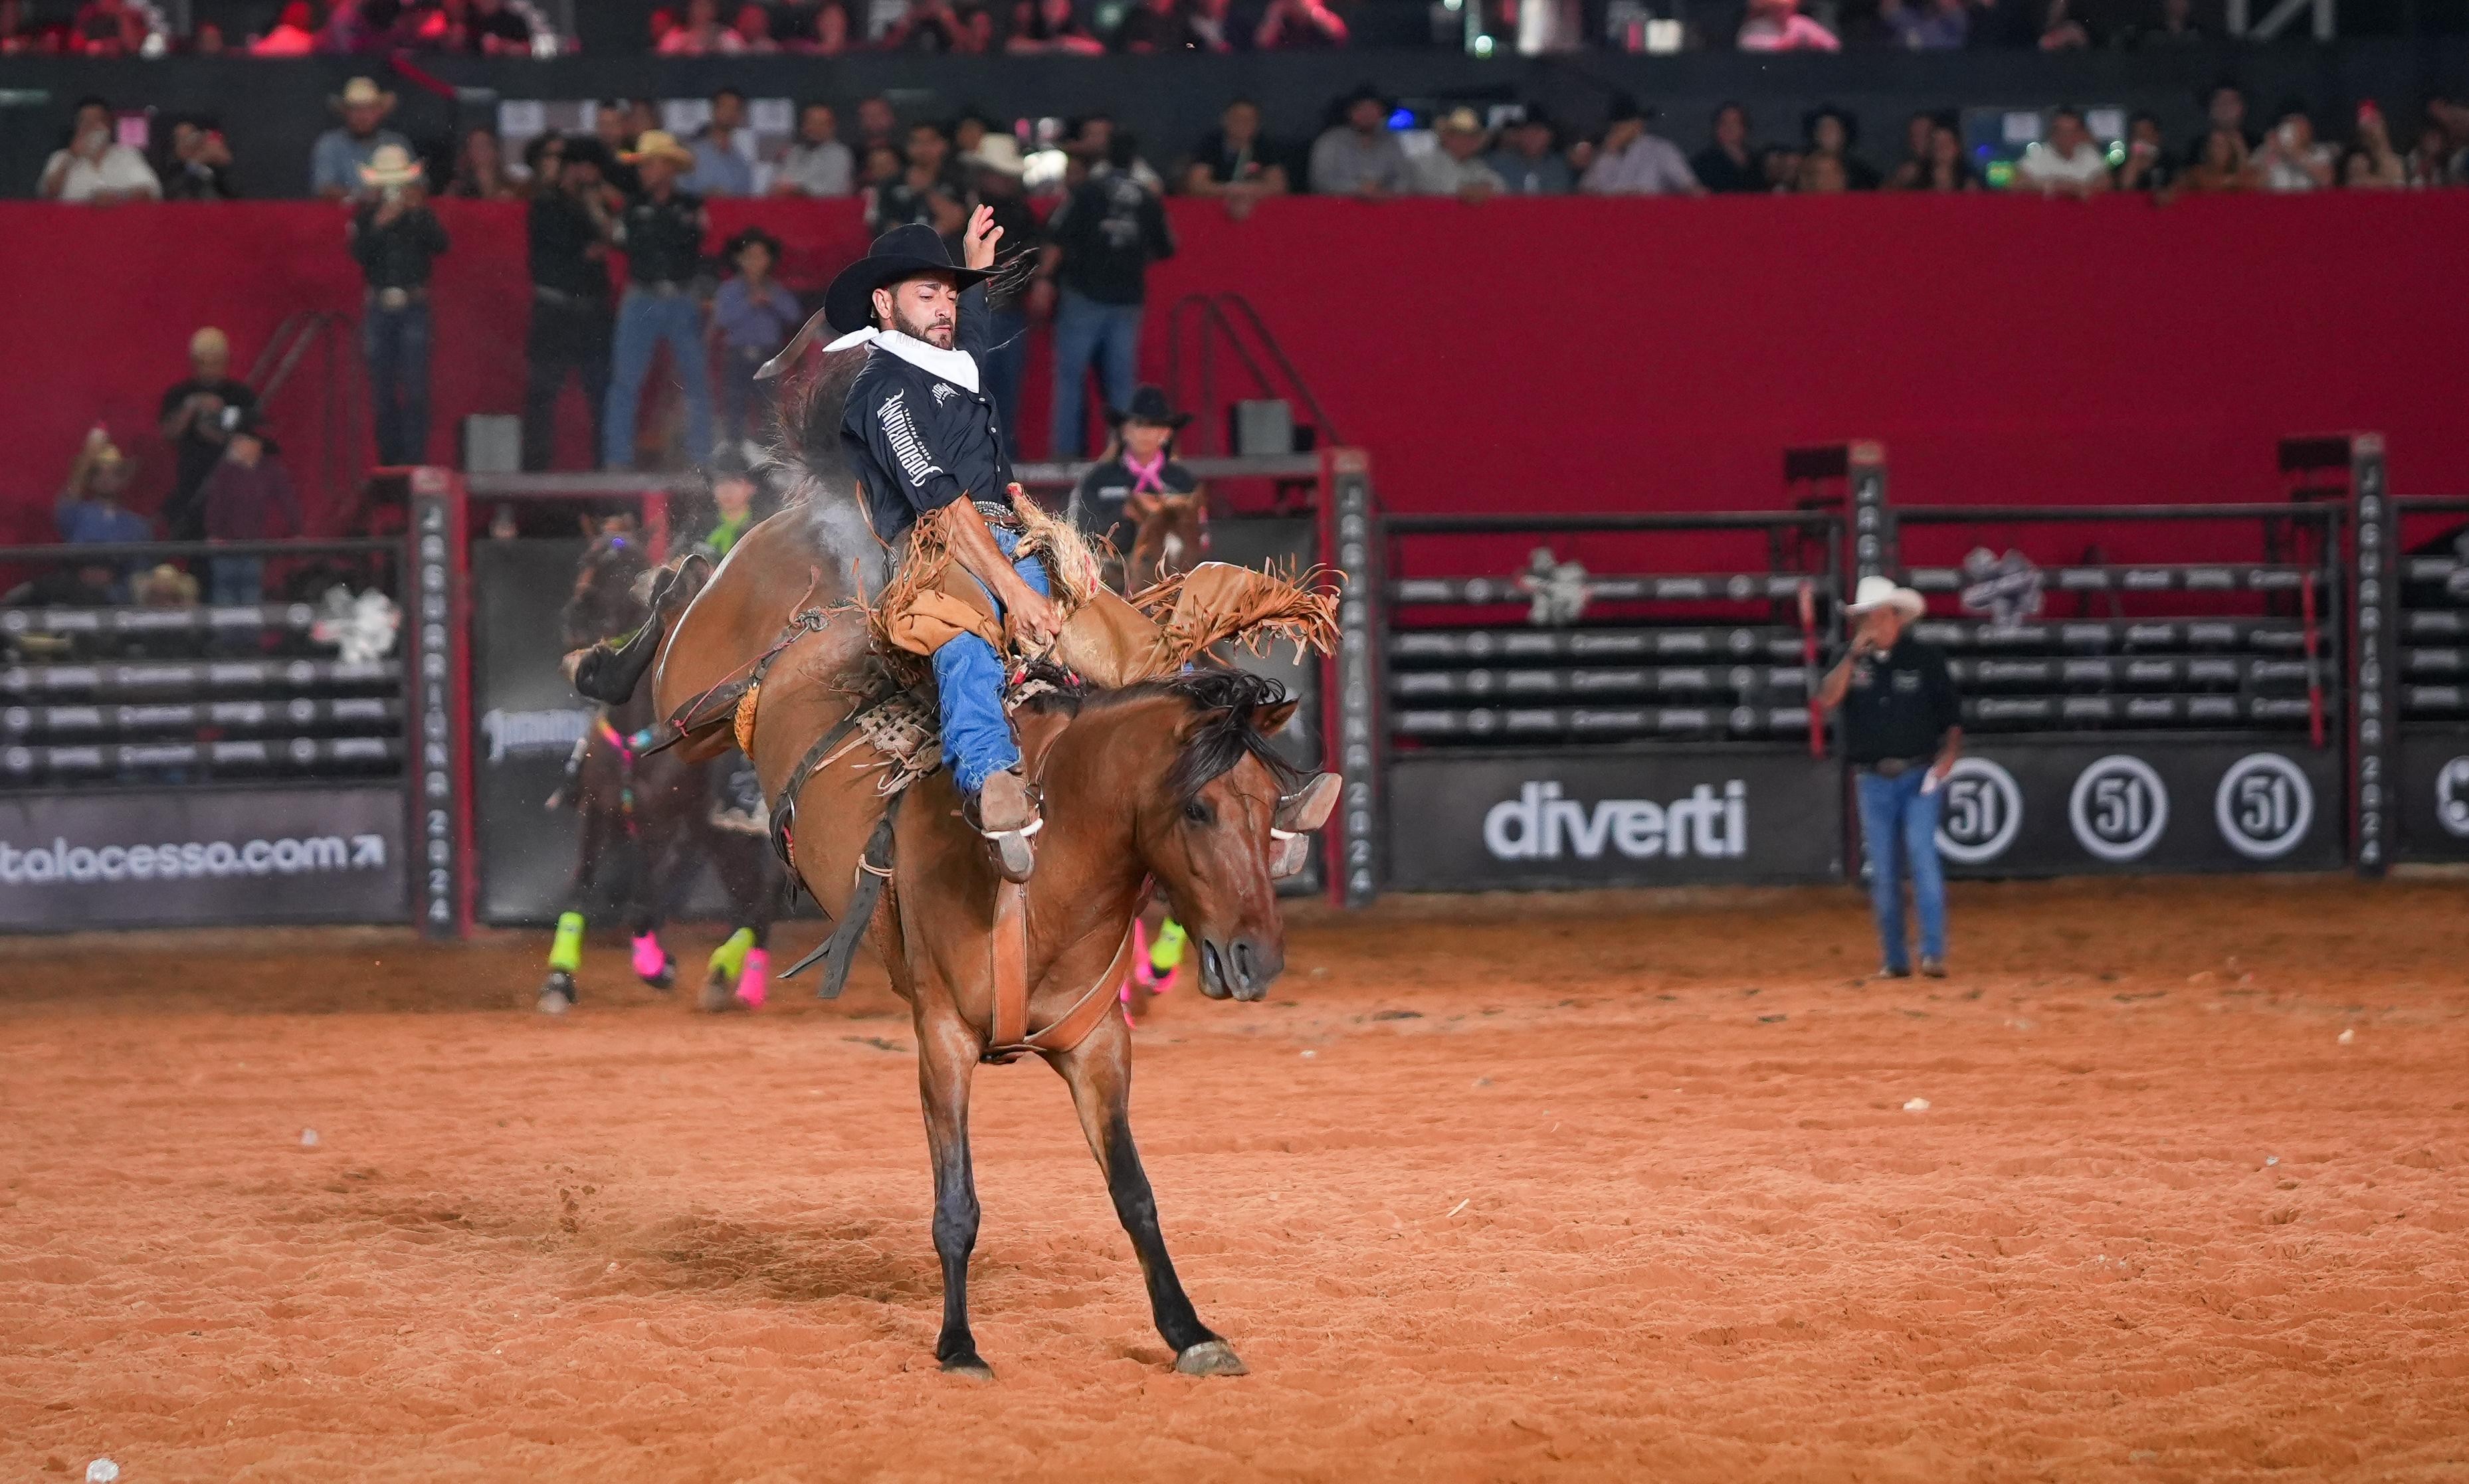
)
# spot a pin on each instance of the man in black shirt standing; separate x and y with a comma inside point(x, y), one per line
point(1102, 241)
point(663, 232)
point(397, 239)
point(1902, 732)
point(191, 422)
point(570, 228)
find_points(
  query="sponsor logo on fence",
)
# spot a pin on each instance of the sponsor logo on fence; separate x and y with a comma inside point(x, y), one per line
point(530, 733)
point(1983, 810)
point(2118, 808)
point(1541, 825)
point(2452, 796)
point(60, 862)
point(2263, 805)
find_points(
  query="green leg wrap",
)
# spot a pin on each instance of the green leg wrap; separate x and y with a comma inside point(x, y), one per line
point(1166, 951)
point(732, 955)
point(566, 952)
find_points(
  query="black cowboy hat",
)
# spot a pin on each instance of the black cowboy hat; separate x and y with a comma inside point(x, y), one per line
point(747, 239)
point(1149, 405)
point(903, 253)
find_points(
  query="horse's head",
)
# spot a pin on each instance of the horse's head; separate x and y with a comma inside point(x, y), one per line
point(1173, 538)
point(1218, 817)
point(607, 600)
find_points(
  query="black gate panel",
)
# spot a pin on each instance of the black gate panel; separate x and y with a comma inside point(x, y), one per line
point(525, 723)
point(2141, 803)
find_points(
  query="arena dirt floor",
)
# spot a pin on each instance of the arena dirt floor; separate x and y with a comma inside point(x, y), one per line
point(1597, 1187)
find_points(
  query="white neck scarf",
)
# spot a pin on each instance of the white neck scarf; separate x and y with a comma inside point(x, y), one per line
point(955, 366)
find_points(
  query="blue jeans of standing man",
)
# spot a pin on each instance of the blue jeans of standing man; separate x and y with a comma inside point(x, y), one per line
point(235, 581)
point(969, 680)
point(1086, 330)
point(396, 345)
point(999, 368)
point(1898, 824)
point(644, 320)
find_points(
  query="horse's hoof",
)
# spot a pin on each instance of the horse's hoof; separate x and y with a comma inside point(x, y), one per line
point(970, 1367)
point(718, 995)
point(666, 979)
point(1211, 1358)
point(557, 994)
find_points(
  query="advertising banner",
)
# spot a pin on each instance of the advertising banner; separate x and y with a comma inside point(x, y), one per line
point(203, 857)
point(2432, 807)
point(1675, 817)
point(2141, 805)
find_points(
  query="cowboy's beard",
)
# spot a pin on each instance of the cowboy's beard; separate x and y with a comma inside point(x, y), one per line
point(936, 329)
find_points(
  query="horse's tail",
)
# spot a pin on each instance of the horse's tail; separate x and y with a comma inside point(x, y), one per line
point(608, 675)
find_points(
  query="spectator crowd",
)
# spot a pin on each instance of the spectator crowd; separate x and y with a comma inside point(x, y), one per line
point(826, 28)
point(1080, 208)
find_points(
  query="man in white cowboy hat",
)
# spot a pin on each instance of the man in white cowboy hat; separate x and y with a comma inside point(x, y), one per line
point(662, 231)
point(1901, 725)
point(336, 160)
point(923, 438)
point(397, 240)
point(995, 170)
point(1456, 166)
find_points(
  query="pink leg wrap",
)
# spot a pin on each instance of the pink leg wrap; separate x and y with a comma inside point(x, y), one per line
point(755, 979)
point(648, 959)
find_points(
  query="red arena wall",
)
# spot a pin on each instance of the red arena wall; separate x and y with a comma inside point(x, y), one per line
point(1571, 354)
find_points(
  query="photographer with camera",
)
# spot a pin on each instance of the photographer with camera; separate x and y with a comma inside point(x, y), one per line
point(571, 225)
point(94, 169)
point(191, 422)
point(397, 239)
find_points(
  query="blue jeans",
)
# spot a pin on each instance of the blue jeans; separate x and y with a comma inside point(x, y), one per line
point(969, 680)
point(1898, 824)
point(644, 320)
point(999, 368)
point(237, 580)
point(1086, 330)
point(396, 344)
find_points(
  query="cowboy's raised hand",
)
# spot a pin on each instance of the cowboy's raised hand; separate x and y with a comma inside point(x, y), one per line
point(977, 243)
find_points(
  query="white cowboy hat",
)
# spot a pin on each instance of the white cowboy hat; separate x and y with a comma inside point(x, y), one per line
point(657, 144)
point(362, 93)
point(997, 152)
point(1882, 592)
point(392, 165)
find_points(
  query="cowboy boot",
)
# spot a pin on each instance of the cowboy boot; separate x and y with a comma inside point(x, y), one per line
point(1006, 813)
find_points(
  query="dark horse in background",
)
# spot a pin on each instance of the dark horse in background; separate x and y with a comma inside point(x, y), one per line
point(646, 816)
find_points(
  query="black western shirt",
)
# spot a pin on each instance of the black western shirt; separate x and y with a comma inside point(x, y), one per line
point(918, 442)
point(563, 234)
point(1110, 230)
point(1900, 706)
point(663, 239)
point(397, 254)
point(1097, 500)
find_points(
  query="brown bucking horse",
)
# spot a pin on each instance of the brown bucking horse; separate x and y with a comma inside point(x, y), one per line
point(1168, 786)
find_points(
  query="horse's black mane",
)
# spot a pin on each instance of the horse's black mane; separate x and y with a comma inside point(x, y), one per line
point(1234, 696)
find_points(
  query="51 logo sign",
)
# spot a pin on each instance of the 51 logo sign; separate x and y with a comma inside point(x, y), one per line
point(2264, 805)
point(2119, 807)
point(1983, 810)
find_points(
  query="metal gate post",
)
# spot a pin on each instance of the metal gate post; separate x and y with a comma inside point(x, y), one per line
point(2375, 536)
point(1351, 678)
point(437, 629)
